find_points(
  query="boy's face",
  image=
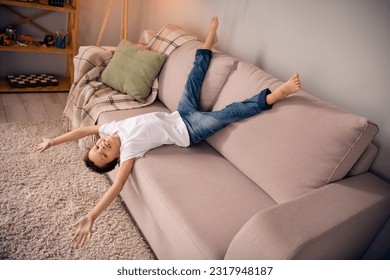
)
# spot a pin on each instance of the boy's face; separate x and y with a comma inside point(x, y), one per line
point(105, 150)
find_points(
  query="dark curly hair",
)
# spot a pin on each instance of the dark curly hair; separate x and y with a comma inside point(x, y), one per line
point(101, 170)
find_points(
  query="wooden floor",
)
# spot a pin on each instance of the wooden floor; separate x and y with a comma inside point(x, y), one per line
point(31, 107)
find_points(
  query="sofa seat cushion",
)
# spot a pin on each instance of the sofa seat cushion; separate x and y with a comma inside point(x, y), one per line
point(301, 144)
point(197, 197)
point(178, 65)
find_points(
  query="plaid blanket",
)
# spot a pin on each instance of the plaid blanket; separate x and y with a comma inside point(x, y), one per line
point(89, 96)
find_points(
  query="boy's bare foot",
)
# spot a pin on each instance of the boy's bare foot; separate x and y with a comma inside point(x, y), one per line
point(289, 87)
point(212, 37)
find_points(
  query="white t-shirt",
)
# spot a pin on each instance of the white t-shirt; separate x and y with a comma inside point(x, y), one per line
point(142, 133)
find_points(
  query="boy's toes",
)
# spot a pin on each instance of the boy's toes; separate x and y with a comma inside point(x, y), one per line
point(295, 79)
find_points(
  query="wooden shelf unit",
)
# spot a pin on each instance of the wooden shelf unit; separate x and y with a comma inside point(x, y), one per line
point(36, 49)
point(72, 10)
point(68, 8)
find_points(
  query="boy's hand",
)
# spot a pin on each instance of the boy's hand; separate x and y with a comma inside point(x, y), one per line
point(42, 146)
point(83, 232)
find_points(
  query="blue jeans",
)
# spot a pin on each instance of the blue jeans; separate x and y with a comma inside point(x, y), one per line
point(201, 125)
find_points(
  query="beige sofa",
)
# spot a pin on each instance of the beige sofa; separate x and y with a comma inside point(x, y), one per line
point(290, 183)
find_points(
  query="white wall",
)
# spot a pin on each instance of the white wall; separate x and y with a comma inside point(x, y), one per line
point(91, 18)
point(341, 48)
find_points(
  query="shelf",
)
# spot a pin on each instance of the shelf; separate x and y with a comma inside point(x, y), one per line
point(35, 49)
point(67, 8)
point(72, 10)
point(63, 85)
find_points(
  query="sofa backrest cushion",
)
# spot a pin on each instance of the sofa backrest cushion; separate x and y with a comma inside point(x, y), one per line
point(365, 161)
point(301, 144)
point(174, 75)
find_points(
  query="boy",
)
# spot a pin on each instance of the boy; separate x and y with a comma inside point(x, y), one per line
point(126, 140)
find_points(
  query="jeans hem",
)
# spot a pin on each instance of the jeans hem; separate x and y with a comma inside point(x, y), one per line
point(263, 99)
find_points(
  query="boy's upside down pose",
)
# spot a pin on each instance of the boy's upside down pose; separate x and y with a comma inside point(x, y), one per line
point(126, 140)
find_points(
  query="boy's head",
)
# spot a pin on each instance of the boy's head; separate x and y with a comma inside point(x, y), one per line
point(104, 155)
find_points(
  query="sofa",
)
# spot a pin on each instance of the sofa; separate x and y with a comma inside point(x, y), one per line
point(293, 182)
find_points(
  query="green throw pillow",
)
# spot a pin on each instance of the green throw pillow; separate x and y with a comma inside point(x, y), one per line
point(132, 70)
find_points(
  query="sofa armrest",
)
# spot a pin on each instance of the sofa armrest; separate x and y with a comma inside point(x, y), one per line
point(337, 221)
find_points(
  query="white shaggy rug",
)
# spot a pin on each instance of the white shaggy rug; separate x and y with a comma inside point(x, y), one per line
point(41, 195)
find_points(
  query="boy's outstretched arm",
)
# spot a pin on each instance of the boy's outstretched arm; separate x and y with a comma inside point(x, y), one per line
point(76, 134)
point(83, 227)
